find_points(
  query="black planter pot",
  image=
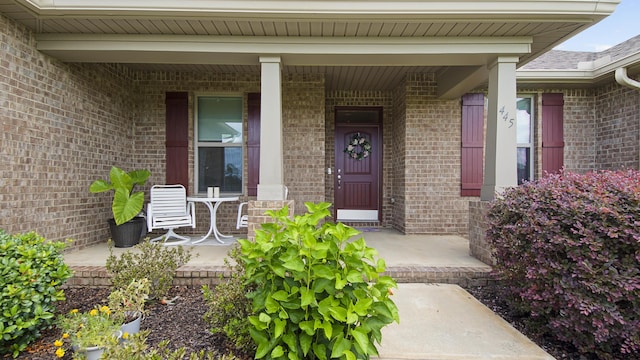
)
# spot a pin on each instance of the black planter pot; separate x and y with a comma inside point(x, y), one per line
point(127, 234)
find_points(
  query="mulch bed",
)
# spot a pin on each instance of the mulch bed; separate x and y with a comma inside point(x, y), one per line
point(182, 323)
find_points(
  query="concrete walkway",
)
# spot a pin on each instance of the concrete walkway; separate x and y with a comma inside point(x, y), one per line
point(444, 322)
point(437, 321)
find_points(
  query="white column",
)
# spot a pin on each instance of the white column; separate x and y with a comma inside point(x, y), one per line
point(271, 186)
point(500, 166)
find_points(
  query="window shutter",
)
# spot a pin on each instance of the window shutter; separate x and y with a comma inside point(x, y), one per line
point(472, 144)
point(177, 138)
point(253, 143)
point(552, 133)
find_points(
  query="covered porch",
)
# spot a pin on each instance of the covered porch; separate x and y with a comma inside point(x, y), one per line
point(115, 85)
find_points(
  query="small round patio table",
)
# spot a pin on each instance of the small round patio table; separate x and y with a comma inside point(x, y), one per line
point(212, 203)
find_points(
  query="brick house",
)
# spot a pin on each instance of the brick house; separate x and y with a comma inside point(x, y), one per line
point(259, 100)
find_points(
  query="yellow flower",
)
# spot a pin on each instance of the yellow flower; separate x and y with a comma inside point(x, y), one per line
point(58, 343)
point(74, 311)
point(65, 336)
point(105, 309)
point(93, 312)
point(125, 335)
point(60, 352)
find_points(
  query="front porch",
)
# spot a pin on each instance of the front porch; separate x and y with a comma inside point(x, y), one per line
point(409, 258)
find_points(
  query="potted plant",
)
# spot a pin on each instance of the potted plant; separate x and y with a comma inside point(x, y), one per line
point(89, 333)
point(127, 304)
point(126, 227)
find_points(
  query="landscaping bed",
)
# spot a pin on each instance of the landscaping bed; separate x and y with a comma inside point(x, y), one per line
point(182, 323)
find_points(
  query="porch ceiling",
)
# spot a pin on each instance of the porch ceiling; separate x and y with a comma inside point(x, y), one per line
point(339, 38)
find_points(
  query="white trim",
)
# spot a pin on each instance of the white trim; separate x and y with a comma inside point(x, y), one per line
point(302, 51)
point(323, 8)
point(357, 215)
point(531, 145)
point(274, 45)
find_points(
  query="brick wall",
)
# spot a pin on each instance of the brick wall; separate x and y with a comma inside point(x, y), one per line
point(399, 158)
point(601, 128)
point(617, 127)
point(432, 186)
point(579, 130)
point(304, 138)
point(63, 126)
point(478, 245)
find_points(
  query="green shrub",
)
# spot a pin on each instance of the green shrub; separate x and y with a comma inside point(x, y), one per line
point(568, 248)
point(136, 348)
point(31, 273)
point(228, 308)
point(150, 260)
point(319, 294)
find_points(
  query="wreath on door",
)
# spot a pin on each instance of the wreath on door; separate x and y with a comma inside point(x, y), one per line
point(358, 148)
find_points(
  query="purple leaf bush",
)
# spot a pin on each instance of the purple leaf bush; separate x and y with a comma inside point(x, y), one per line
point(567, 250)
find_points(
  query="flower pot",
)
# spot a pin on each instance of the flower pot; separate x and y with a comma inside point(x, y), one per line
point(93, 353)
point(132, 327)
point(127, 234)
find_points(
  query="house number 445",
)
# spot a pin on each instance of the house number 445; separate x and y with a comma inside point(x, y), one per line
point(506, 118)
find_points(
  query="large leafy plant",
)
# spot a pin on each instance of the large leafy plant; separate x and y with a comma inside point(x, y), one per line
point(319, 293)
point(126, 203)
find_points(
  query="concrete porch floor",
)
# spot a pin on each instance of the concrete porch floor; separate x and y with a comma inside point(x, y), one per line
point(409, 258)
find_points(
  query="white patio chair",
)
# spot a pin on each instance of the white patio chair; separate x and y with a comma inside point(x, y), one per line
point(169, 209)
point(243, 219)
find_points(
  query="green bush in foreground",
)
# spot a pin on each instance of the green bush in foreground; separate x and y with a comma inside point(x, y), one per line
point(319, 295)
point(150, 260)
point(568, 251)
point(228, 308)
point(31, 273)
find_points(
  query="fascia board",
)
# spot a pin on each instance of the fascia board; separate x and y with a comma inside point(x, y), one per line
point(554, 76)
point(281, 45)
point(452, 9)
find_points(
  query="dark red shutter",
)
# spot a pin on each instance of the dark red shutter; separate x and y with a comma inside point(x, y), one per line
point(552, 133)
point(253, 143)
point(177, 138)
point(472, 144)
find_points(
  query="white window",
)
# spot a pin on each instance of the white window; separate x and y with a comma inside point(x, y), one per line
point(218, 134)
point(525, 119)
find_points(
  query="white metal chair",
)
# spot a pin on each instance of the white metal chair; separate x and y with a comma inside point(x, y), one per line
point(169, 209)
point(243, 219)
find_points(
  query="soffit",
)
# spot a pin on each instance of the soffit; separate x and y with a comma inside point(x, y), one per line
point(544, 22)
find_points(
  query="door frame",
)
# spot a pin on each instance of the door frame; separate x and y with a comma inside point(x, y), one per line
point(379, 147)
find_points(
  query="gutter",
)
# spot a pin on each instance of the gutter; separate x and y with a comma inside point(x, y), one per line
point(623, 79)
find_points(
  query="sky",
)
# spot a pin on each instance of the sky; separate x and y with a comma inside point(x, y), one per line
point(622, 25)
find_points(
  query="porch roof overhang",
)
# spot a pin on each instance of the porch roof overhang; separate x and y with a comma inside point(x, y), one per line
point(357, 44)
point(588, 74)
